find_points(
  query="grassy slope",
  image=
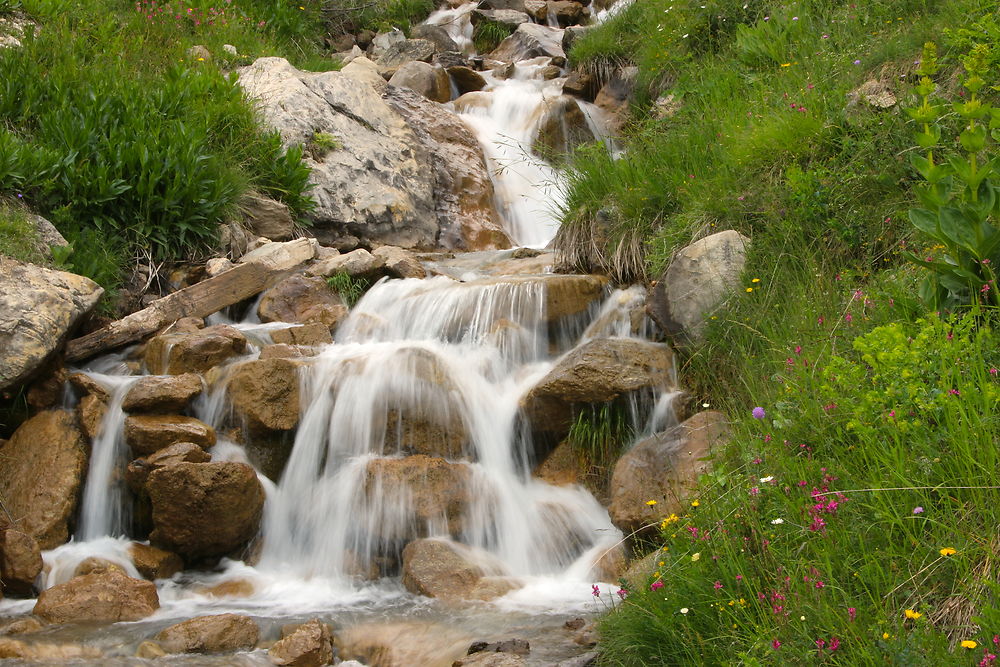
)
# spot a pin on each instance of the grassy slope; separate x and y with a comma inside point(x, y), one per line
point(861, 389)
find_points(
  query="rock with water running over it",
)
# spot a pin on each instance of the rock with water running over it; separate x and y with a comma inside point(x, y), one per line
point(566, 12)
point(435, 492)
point(444, 569)
point(153, 563)
point(508, 17)
point(436, 34)
point(39, 308)
point(466, 79)
point(162, 395)
point(308, 645)
point(302, 299)
point(664, 468)
point(697, 282)
point(43, 652)
point(265, 394)
point(564, 295)
point(43, 465)
point(106, 596)
point(195, 352)
point(147, 434)
point(407, 643)
point(562, 129)
point(431, 81)
point(310, 335)
point(530, 40)
point(491, 659)
point(219, 633)
point(20, 563)
point(204, 510)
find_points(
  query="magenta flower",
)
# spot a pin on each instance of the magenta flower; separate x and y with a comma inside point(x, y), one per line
point(852, 613)
point(758, 413)
point(834, 643)
point(622, 593)
point(918, 510)
point(656, 585)
point(775, 644)
point(717, 585)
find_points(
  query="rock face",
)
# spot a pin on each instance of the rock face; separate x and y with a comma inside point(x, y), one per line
point(697, 282)
point(204, 510)
point(530, 40)
point(147, 434)
point(221, 633)
point(43, 464)
point(266, 394)
point(435, 490)
point(309, 645)
point(195, 352)
point(443, 569)
point(301, 299)
point(431, 81)
point(597, 371)
point(20, 563)
point(162, 395)
point(108, 596)
point(314, 333)
point(663, 468)
point(38, 309)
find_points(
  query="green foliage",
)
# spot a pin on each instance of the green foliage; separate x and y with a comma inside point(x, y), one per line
point(380, 15)
point(600, 433)
point(18, 237)
point(349, 288)
point(487, 35)
point(8, 6)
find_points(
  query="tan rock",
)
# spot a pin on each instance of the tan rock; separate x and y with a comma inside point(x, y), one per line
point(398, 644)
point(162, 395)
point(234, 588)
point(182, 452)
point(46, 653)
point(94, 565)
point(444, 569)
point(20, 563)
point(310, 645)
point(436, 489)
point(490, 660)
point(268, 218)
point(466, 79)
point(283, 351)
point(302, 299)
point(196, 352)
point(90, 411)
point(21, 626)
point(154, 563)
point(266, 394)
point(102, 597)
point(85, 384)
point(148, 650)
point(148, 434)
point(43, 465)
point(358, 264)
point(562, 128)
point(220, 633)
point(312, 334)
point(400, 263)
point(428, 80)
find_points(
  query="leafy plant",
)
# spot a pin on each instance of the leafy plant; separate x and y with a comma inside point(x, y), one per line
point(601, 433)
point(349, 288)
point(488, 35)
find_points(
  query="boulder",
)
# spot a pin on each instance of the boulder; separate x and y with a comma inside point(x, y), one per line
point(405, 51)
point(196, 352)
point(409, 643)
point(443, 569)
point(43, 465)
point(204, 510)
point(302, 299)
point(310, 335)
point(358, 264)
point(20, 563)
point(432, 429)
point(466, 79)
point(285, 351)
point(562, 128)
point(566, 12)
point(613, 98)
point(39, 308)
point(283, 256)
point(550, 72)
point(309, 645)
point(219, 633)
point(21, 626)
point(538, 10)
point(530, 40)
point(265, 394)
point(153, 563)
point(582, 85)
point(94, 565)
point(268, 218)
point(664, 468)
point(431, 81)
point(437, 35)
point(365, 71)
point(400, 263)
point(598, 371)
point(697, 282)
point(381, 42)
point(147, 434)
point(162, 395)
point(90, 412)
point(449, 59)
point(435, 491)
point(507, 17)
point(183, 452)
point(43, 652)
point(108, 596)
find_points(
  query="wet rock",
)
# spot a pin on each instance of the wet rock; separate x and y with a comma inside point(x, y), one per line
point(43, 465)
point(490, 660)
point(284, 351)
point(95, 565)
point(84, 385)
point(582, 85)
point(234, 588)
point(20, 563)
point(562, 467)
point(537, 9)
point(598, 371)
point(611, 565)
point(38, 309)
point(572, 33)
point(148, 650)
point(312, 334)
point(47, 389)
point(437, 491)
point(204, 510)
point(449, 59)
point(90, 411)
point(46, 653)
point(565, 295)
point(664, 468)
point(431, 81)
point(439, 568)
point(153, 563)
point(513, 646)
point(162, 395)
point(147, 434)
point(182, 452)
point(550, 72)
point(507, 17)
point(566, 12)
point(302, 299)
point(562, 128)
point(220, 633)
point(430, 429)
point(436, 34)
point(102, 597)
point(409, 644)
point(266, 394)
point(268, 218)
point(21, 626)
point(309, 645)
point(530, 40)
point(697, 282)
point(175, 354)
point(400, 263)
point(613, 98)
point(358, 264)
point(466, 79)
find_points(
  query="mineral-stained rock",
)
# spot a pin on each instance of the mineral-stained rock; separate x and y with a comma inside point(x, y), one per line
point(309, 645)
point(220, 633)
point(20, 563)
point(147, 434)
point(102, 597)
point(43, 465)
point(162, 395)
point(266, 394)
point(466, 79)
point(182, 452)
point(196, 352)
point(154, 563)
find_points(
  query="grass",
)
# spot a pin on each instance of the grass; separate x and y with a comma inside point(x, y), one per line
point(349, 288)
point(487, 35)
point(18, 237)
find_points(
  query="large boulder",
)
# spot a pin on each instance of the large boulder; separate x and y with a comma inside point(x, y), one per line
point(400, 263)
point(153, 563)
point(265, 394)
point(613, 98)
point(530, 40)
point(204, 510)
point(562, 128)
point(219, 633)
point(444, 569)
point(308, 645)
point(182, 452)
point(302, 299)
point(405, 51)
point(697, 282)
point(358, 264)
point(43, 465)
point(598, 371)
point(664, 468)
point(431, 81)
point(268, 218)
point(38, 309)
point(309, 335)
point(194, 352)
point(106, 596)
point(20, 563)
point(147, 434)
point(435, 491)
point(436, 34)
point(162, 394)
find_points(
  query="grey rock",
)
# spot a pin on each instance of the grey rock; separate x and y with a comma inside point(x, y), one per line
point(431, 81)
point(530, 40)
point(436, 34)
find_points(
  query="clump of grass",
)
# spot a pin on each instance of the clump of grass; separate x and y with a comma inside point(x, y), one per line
point(18, 236)
point(487, 35)
point(350, 288)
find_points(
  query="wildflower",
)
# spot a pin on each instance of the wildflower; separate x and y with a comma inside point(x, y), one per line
point(918, 510)
point(885, 635)
point(749, 289)
point(852, 613)
point(820, 584)
point(684, 610)
point(776, 522)
point(775, 644)
point(695, 557)
point(968, 643)
point(739, 577)
point(755, 280)
point(820, 643)
point(656, 585)
point(765, 480)
point(622, 593)
point(993, 371)
point(834, 643)
point(948, 551)
point(755, 491)
point(695, 503)
point(825, 37)
point(848, 317)
point(909, 613)
point(786, 64)
point(650, 502)
point(758, 413)
point(857, 62)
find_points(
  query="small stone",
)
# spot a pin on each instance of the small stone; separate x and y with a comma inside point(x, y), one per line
point(221, 633)
point(199, 53)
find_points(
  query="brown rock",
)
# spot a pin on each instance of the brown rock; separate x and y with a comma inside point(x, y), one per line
point(20, 563)
point(147, 434)
point(358, 264)
point(611, 565)
point(21, 626)
point(90, 411)
point(436, 489)
point(102, 597)
point(490, 660)
point(195, 352)
point(431, 431)
point(613, 98)
point(148, 650)
point(310, 645)
point(204, 510)
point(562, 128)
point(43, 465)
point(283, 351)
point(268, 218)
point(431, 81)
point(45, 653)
point(410, 643)
point(567, 12)
point(664, 468)
point(94, 565)
point(46, 392)
point(88, 385)
point(154, 563)
point(266, 394)
point(581, 84)
point(234, 588)
point(400, 263)
point(162, 395)
point(302, 299)
point(183, 452)
point(443, 569)
point(220, 633)
point(562, 467)
point(466, 79)
point(311, 334)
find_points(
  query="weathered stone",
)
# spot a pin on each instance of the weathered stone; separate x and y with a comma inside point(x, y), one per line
point(204, 510)
point(358, 264)
point(199, 53)
point(530, 40)
point(220, 633)
point(449, 59)
point(183, 452)
point(302, 299)
point(148, 650)
point(566, 12)
point(403, 52)
point(233, 588)
point(431, 81)
point(147, 434)
point(874, 93)
point(507, 17)
point(175, 354)
point(268, 218)
point(550, 72)
point(153, 563)
point(436, 34)
point(38, 309)
point(664, 468)
point(384, 40)
point(44, 652)
point(490, 660)
point(43, 465)
point(312, 334)
point(85, 384)
point(409, 643)
point(611, 565)
point(562, 128)
point(95, 565)
point(613, 98)
point(46, 391)
point(162, 395)
point(309, 645)
point(400, 263)
point(266, 394)
point(697, 282)
point(466, 79)
point(20, 563)
point(436, 491)
point(90, 411)
point(365, 71)
point(21, 626)
point(562, 466)
point(443, 569)
point(217, 266)
point(538, 10)
point(102, 597)
point(285, 351)
point(283, 256)
point(582, 85)
point(513, 646)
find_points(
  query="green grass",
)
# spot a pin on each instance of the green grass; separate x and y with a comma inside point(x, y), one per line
point(349, 288)
point(18, 238)
point(487, 35)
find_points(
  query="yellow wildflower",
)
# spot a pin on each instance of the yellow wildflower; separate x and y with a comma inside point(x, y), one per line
point(695, 556)
point(885, 635)
point(968, 643)
point(695, 503)
point(948, 551)
point(749, 289)
point(909, 613)
point(755, 280)
point(650, 502)
point(786, 64)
